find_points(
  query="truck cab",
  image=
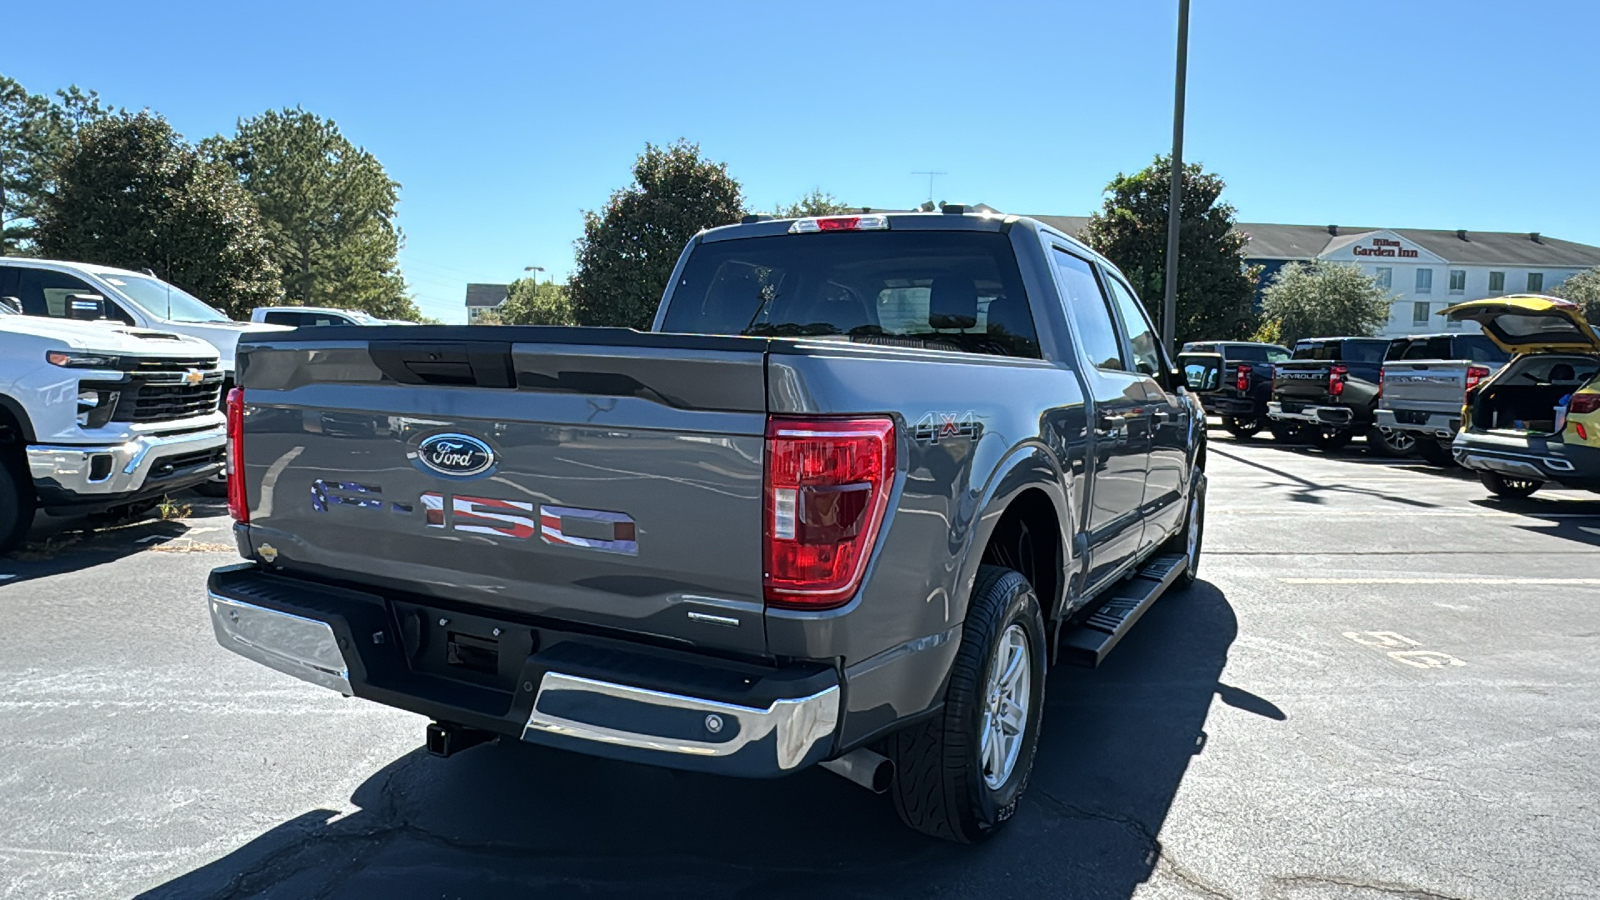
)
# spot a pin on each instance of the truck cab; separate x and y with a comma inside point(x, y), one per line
point(312, 316)
point(40, 287)
point(1424, 382)
point(1329, 389)
point(95, 416)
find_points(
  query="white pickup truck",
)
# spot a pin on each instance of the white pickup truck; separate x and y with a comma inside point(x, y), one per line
point(96, 415)
point(39, 287)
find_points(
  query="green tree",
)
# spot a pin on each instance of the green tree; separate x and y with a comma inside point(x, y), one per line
point(1321, 299)
point(34, 131)
point(628, 250)
point(1584, 290)
point(1216, 290)
point(815, 203)
point(329, 210)
point(536, 303)
point(130, 192)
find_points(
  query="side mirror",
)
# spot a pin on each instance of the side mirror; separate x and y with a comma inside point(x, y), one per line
point(86, 307)
point(12, 304)
point(1200, 372)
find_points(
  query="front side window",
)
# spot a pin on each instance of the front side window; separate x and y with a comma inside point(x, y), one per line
point(1458, 281)
point(1424, 281)
point(1141, 335)
point(282, 317)
point(1087, 310)
point(1385, 277)
point(43, 292)
point(1535, 282)
point(1419, 312)
point(1497, 282)
point(937, 290)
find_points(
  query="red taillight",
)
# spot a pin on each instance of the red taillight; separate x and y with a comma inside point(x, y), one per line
point(1336, 378)
point(1242, 380)
point(237, 506)
point(1380, 382)
point(1583, 404)
point(1475, 376)
point(828, 484)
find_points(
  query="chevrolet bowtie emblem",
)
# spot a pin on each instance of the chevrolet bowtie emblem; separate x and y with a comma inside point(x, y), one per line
point(193, 376)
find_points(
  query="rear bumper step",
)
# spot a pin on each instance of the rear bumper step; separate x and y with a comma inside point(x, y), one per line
point(576, 692)
point(1090, 641)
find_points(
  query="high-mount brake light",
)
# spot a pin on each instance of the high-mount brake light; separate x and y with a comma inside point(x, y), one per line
point(1476, 375)
point(839, 223)
point(827, 487)
point(1242, 379)
point(238, 507)
point(1336, 378)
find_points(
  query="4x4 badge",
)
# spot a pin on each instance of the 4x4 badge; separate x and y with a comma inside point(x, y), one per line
point(937, 426)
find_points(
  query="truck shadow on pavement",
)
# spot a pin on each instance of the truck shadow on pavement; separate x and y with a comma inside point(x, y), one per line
point(518, 820)
point(78, 543)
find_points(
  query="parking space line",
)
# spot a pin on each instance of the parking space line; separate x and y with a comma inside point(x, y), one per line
point(1484, 581)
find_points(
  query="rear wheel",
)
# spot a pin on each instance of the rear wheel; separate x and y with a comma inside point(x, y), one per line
point(1330, 438)
point(17, 501)
point(959, 776)
point(1285, 433)
point(1435, 452)
point(1243, 429)
point(1187, 541)
point(1390, 442)
point(1511, 488)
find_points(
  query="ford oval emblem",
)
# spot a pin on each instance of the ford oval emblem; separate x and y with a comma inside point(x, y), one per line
point(454, 455)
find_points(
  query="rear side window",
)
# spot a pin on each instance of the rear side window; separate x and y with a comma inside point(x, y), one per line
point(942, 290)
point(281, 318)
point(1091, 318)
point(1313, 350)
point(1246, 353)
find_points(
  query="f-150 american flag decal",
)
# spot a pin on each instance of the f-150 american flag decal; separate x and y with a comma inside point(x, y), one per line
point(592, 529)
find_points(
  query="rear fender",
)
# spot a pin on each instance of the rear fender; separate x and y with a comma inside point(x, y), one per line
point(1026, 467)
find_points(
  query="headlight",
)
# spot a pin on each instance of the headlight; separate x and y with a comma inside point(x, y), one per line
point(75, 360)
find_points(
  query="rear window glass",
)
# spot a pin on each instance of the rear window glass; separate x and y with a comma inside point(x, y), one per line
point(1363, 351)
point(1478, 348)
point(943, 290)
point(1533, 329)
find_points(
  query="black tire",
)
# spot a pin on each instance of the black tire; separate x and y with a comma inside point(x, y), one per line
point(17, 502)
point(939, 784)
point(1435, 452)
point(1510, 488)
point(1243, 429)
point(1285, 433)
point(1194, 522)
point(1392, 444)
point(1331, 438)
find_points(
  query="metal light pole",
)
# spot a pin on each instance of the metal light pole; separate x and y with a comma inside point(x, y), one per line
point(540, 269)
point(1169, 305)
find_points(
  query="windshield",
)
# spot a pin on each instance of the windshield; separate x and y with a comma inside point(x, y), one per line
point(943, 290)
point(156, 297)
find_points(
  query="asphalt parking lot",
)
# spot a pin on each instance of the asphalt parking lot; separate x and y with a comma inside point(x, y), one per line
point(1386, 685)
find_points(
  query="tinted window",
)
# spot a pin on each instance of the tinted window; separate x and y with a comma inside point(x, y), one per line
point(1363, 351)
point(1087, 310)
point(943, 290)
point(1313, 350)
point(1246, 353)
point(1141, 336)
point(1397, 348)
point(1479, 348)
point(277, 317)
point(1277, 354)
point(44, 293)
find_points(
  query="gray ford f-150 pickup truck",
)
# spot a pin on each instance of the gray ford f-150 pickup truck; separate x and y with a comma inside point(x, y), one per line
point(864, 479)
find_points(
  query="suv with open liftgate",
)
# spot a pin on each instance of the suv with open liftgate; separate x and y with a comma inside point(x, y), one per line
point(95, 416)
point(867, 476)
point(1537, 420)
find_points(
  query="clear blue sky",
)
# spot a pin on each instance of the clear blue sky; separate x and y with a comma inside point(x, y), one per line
point(503, 122)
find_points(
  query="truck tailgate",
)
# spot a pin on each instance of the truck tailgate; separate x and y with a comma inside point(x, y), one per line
point(552, 478)
point(1434, 386)
point(1304, 381)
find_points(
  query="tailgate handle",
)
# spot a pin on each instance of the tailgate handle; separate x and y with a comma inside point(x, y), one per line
point(467, 363)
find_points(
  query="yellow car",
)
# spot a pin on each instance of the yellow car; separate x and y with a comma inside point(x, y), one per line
point(1537, 421)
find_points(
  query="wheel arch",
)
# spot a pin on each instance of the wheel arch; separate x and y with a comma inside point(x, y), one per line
point(14, 417)
point(1026, 500)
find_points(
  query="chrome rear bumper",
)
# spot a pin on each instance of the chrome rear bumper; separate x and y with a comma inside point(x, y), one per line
point(294, 645)
point(1321, 415)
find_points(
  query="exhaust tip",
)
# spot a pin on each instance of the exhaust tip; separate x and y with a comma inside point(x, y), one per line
point(872, 771)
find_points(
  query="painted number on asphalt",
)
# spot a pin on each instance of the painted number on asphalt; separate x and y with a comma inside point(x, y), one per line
point(1420, 659)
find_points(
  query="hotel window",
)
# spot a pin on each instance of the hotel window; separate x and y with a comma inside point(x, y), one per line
point(1535, 282)
point(1419, 312)
point(1385, 277)
point(1424, 281)
point(1497, 282)
point(1458, 281)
